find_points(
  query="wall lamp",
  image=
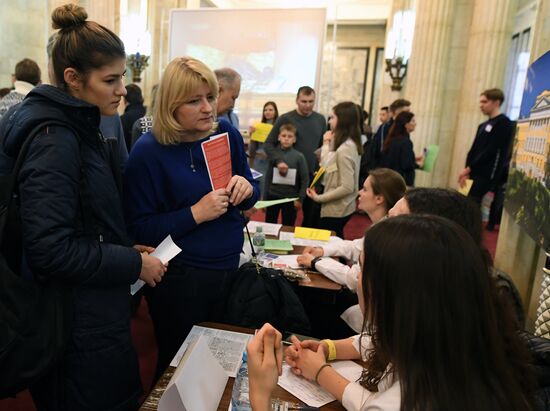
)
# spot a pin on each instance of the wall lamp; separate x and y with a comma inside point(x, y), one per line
point(399, 47)
point(137, 62)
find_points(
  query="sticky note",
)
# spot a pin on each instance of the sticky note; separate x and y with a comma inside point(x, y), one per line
point(312, 233)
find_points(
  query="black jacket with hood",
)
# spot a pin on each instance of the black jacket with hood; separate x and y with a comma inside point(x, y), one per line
point(74, 233)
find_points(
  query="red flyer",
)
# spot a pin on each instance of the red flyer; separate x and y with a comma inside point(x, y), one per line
point(217, 154)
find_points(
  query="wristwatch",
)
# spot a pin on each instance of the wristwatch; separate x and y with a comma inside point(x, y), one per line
point(315, 261)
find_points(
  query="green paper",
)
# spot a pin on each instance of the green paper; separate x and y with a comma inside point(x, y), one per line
point(269, 203)
point(431, 156)
point(278, 245)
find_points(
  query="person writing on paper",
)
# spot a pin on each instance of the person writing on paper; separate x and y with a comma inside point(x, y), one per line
point(169, 192)
point(381, 190)
point(293, 184)
point(422, 349)
point(342, 169)
point(257, 157)
point(74, 234)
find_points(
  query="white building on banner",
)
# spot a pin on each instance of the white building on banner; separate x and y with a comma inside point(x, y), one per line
point(533, 150)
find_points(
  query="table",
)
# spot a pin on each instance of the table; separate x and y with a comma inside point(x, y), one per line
point(324, 300)
point(318, 280)
point(152, 400)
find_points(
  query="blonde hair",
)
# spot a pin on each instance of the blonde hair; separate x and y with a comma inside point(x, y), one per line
point(181, 78)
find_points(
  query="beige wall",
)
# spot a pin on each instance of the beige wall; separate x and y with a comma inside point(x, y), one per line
point(357, 36)
point(21, 39)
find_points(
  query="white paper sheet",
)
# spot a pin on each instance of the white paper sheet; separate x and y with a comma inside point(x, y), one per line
point(165, 251)
point(288, 180)
point(226, 346)
point(311, 393)
point(255, 174)
point(197, 384)
point(289, 260)
point(305, 242)
point(268, 228)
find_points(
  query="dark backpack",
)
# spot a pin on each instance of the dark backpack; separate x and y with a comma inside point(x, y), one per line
point(33, 321)
point(261, 295)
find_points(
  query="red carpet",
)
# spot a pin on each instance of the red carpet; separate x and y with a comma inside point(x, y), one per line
point(142, 328)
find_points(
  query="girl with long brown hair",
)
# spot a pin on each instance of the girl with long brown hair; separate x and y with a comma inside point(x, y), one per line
point(341, 177)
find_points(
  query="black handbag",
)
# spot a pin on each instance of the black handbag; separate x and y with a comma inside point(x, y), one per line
point(33, 324)
point(261, 295)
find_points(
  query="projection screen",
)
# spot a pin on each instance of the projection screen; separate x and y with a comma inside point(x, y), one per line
point(275, 50)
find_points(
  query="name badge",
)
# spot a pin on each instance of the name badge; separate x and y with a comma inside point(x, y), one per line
point(488, 128)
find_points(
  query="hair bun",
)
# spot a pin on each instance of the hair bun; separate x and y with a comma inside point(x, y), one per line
point(68, 16)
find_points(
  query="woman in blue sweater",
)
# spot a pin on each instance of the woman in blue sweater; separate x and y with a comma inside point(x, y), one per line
point(168, 191)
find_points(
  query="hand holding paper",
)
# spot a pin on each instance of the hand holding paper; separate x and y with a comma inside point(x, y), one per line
point(317, 176)
point(155, 262)
point(283, 168)
point(210, 206)
point(240, 189)
point(152, 269)
point(465, 189)
point(261, 131)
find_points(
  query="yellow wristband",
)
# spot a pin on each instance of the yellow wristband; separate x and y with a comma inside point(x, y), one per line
point(331, 350)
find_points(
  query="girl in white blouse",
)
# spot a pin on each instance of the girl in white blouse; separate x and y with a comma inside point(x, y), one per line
point(381, 190)
point(433, 338)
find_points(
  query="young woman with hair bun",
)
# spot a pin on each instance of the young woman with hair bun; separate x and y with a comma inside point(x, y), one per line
point(74, 234)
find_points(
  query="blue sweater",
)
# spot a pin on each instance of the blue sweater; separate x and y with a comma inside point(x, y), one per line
point(160, 188)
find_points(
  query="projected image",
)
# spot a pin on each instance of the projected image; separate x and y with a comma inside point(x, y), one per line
point(275, 51)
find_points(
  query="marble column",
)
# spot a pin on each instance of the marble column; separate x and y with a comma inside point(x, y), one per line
point(541, 32)
point(104, 12)
point(158, 20)
point(428, 72)
point(22, 39)
point(488, 46)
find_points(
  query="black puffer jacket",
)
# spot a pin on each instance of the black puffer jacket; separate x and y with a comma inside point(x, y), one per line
point(74, 233)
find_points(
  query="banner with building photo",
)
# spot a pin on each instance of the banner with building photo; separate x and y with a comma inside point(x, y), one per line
point(528, 188)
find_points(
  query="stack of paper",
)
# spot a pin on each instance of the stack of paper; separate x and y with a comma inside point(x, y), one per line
point(278, 245)
point(311, 393)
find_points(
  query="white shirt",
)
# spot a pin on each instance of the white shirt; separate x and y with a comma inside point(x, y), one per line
point(336, 271)
point(22, 87)
point(357, 398)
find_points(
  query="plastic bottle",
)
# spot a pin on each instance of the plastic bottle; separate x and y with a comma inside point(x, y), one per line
point(239, 397)
point(258, 240)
